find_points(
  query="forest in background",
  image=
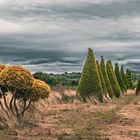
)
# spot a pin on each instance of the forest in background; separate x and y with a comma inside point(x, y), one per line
point(69, 80)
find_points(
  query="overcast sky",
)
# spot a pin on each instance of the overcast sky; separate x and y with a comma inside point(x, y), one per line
point(53, 35)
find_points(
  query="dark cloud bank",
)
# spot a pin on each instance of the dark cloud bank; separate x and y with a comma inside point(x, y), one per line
point(53, 36)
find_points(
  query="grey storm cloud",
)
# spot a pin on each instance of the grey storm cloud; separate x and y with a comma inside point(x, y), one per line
point(72, 9)
point(53, 36)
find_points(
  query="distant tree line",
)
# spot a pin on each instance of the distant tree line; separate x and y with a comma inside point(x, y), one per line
point(54, 80)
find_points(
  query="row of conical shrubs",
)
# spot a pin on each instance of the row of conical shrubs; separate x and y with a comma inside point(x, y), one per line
point(20, 85)
point(101, 81)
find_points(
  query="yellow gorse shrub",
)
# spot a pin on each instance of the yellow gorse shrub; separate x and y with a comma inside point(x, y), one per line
point(39, 90)
point(23, 87)
point(16, 77)
point(2, 67)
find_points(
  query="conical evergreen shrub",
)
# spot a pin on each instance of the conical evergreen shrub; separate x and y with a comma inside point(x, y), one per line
point(102, 79)
point(138, 86)
point(119, 78)
point(106, 78)
point(113, 79)
point(131, 79)
point(90, 84)
point(128, 76)
point(124, 77)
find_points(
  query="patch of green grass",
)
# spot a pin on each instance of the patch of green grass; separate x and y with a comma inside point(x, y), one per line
point(85, 125)
point(128, 100)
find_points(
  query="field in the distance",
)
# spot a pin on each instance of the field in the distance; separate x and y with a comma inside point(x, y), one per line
point(117, 120)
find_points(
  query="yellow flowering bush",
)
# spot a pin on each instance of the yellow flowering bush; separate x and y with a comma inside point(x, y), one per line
point(39, 90)
point(2, 67)
point(23, 87)
point(16, 77)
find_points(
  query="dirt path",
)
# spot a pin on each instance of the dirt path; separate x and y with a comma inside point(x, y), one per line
point(117, 120)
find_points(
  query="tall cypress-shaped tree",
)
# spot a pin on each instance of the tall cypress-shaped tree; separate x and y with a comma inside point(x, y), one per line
point(131, 79)
point(109, 61)
point(124, 77)
point(102, 79)
point(128, 76)
point(90, 84)
point(106, 78)
point(113, 79)
point(138, 86)
point(119, 78)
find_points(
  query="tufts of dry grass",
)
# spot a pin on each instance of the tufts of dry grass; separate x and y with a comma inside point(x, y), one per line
point(118, 119)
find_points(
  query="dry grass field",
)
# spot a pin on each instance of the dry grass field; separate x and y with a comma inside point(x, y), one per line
point(118, 119)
